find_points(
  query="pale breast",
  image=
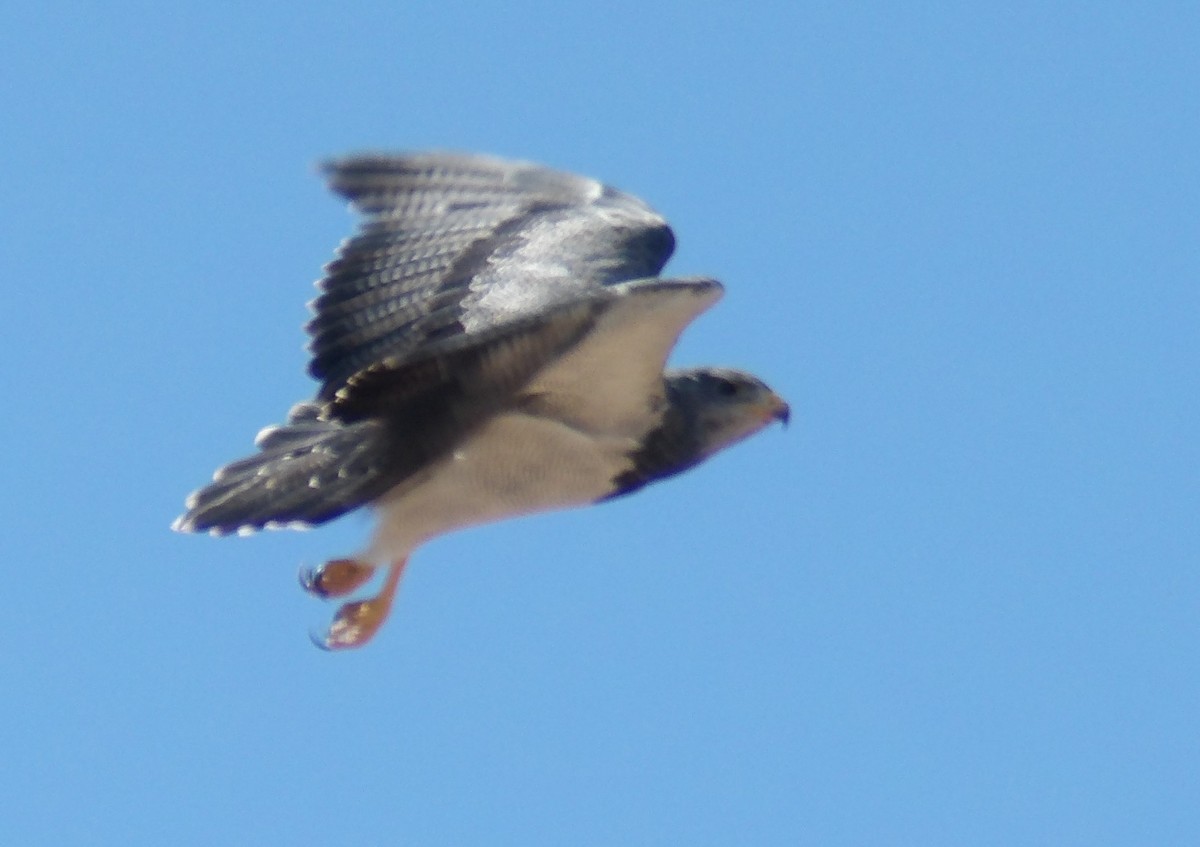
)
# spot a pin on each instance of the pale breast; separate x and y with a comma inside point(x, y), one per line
point(517, 464)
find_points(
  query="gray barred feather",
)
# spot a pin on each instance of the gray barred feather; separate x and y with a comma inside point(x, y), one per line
point(448, 237)
point(306, 473)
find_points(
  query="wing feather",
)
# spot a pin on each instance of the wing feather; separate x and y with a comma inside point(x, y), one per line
point(458, 244)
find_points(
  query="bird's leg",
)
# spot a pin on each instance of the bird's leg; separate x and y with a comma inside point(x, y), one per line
point(335, 578)
point(356, 623)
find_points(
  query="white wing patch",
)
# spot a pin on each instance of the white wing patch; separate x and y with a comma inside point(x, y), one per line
point(611, 382)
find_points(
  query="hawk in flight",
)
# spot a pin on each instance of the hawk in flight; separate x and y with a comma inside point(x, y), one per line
point(490, 343)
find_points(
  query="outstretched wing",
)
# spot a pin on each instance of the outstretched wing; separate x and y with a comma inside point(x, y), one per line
point(455, 246)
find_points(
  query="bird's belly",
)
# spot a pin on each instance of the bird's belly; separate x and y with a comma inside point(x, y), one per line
point(516, 464)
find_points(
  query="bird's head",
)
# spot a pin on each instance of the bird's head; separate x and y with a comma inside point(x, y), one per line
point(726, 405)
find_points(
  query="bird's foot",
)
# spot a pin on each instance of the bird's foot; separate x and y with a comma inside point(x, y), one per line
point(336, 578)
point(356, 623)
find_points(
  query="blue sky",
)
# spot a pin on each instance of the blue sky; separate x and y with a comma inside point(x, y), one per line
point(957, 602)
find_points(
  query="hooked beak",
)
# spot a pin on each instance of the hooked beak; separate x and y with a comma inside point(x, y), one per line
point(777, 409)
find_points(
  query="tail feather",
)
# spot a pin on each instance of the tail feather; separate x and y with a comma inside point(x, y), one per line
point(306, 472)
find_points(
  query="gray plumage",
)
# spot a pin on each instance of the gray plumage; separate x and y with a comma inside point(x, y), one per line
point(455, 245)
point(702, 415)
point(490, 342)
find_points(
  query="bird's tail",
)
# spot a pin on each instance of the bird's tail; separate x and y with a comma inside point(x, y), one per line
point(308, 471)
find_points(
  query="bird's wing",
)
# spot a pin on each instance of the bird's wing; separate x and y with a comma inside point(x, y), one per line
point(456, 247)
point(611, 382)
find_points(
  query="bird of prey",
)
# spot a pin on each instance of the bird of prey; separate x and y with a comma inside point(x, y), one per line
point(490, 343)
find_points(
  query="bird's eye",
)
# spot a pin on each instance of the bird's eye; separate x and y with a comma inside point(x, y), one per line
point(726, 388)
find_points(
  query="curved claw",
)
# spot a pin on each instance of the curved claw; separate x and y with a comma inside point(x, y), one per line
point(335, 578)
point(308, 580)
point(321, 642)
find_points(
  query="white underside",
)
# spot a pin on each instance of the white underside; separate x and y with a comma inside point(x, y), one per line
point(515, 465)
point(589, 412)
